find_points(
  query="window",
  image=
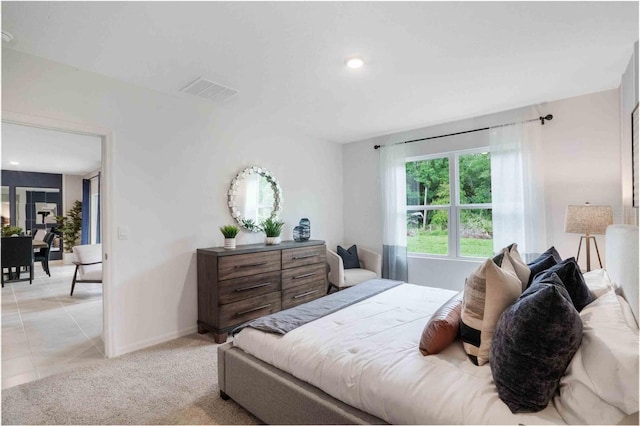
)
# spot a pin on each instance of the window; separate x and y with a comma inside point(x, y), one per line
point(449, 204)
point(93, 219)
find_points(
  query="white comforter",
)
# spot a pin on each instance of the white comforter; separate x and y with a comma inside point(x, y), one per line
point(367, 356)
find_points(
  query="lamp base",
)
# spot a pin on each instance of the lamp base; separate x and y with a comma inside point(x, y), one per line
point(588, 238)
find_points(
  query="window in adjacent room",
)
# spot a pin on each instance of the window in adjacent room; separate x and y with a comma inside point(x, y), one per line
point(449, 204)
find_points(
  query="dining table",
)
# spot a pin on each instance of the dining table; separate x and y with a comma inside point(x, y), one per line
point(37, 244)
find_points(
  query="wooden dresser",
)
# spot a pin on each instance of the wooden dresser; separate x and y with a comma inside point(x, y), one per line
point(254, 280)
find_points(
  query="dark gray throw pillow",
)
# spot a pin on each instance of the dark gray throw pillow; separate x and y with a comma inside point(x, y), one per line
point(553, 252)
point(349, 257)
point(569, 273)
point(533, 344)
point(541, 264)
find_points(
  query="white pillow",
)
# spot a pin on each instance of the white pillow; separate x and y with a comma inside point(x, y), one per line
point(578, 405)
point(609, 353)
point(598, 282)
point(627, 313)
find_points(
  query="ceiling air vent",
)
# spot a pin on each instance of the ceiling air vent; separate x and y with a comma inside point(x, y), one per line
point(209, 90)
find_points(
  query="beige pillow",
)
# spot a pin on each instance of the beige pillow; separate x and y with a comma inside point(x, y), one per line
point(520, 266)
point(488, 291)
point(442, 328)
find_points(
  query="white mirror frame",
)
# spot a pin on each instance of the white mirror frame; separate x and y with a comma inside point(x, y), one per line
point(233, 191)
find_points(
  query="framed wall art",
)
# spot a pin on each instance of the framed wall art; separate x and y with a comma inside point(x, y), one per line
point(635, 166)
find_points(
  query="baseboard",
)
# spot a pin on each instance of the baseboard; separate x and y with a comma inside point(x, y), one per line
point(155, 340)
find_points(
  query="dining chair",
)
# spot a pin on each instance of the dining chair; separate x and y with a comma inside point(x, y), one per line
point(17, 252)
point(42, 255)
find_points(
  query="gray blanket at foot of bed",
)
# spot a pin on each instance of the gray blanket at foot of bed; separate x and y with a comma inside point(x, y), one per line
point(284, 321)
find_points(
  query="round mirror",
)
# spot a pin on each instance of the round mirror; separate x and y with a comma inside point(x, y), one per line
point(254, 196)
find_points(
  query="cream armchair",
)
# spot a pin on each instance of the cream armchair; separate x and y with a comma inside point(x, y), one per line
point(88, 261)
point(370, 267)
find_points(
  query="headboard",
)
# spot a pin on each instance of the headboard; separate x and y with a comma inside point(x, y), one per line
point(622, 261)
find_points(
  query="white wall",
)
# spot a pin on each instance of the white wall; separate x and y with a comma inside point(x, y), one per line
point(628, 102)
point(582, 151)
point(72, 191)
point(173, 159)
point(582, 163)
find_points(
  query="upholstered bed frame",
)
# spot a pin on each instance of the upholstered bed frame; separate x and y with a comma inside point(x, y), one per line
point(276, 397)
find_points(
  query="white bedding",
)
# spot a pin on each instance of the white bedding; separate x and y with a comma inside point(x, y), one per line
point(367, 356)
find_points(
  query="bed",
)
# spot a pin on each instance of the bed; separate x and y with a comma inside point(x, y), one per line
point(361, 365)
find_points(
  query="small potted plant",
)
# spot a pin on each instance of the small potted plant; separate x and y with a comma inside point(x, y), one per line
point(229, 232)
point(272, 229)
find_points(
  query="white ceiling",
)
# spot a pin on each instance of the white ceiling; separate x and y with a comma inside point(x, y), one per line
point(49, 151)
point(425, 62)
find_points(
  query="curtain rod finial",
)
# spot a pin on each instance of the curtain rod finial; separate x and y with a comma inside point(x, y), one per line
point(376, 146)
point(547, 117)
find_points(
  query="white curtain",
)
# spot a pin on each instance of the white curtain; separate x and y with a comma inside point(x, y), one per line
point(517, 185)
point(394, 214)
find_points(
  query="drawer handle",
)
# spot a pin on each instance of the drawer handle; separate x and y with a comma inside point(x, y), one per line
point(251, 265)
point(252, 287)
point(305, 294)
point(303, 275)
point(303, 257)
point(253, 310)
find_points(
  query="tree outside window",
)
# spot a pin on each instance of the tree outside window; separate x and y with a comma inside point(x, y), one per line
point(449, 205)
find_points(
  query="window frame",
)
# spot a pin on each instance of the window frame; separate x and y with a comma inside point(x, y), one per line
point(453, 208)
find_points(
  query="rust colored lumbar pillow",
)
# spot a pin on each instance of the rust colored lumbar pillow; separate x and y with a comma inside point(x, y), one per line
point(442, 328)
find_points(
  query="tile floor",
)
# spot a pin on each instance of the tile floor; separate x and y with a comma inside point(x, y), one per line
point(44, 330)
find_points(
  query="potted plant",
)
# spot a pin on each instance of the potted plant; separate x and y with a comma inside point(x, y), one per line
point(272, 229)
point(69, 227)
point(9, 230)
point(229, 232)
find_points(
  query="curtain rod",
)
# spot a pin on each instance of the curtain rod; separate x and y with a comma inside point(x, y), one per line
point(547, 117)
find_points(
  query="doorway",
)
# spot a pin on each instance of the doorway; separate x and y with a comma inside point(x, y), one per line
point(78, 336)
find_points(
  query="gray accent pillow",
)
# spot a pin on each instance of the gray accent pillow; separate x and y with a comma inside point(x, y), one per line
point(541, 264)
point(533, 343)
point(349, 257)
point(569, 273)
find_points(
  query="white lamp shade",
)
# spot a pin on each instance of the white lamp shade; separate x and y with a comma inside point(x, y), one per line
point(587, 219)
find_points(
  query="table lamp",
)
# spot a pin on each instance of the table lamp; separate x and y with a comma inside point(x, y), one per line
point(588, 220)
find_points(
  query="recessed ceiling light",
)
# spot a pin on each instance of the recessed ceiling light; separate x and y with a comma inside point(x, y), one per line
point(354, 62)
point(14, 163)
point(6, 36)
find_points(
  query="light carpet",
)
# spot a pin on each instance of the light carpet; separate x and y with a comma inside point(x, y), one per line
point(171, 383)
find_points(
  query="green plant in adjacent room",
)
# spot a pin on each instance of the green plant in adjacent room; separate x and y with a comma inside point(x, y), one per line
point(271, 227)
point(229, 231)
point(9, 230)
point(70, 226)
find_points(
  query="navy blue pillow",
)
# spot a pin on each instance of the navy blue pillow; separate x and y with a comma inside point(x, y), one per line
point(551, 251)
point(533, 344)
point(541, 264)
point(569, 272)
point(349, 257)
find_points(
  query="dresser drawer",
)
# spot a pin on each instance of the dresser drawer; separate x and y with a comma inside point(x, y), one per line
point(238, 312)
point(242, 265)
point(303, 275)
point(292, 258)
point(246, 287)
point(303, 293)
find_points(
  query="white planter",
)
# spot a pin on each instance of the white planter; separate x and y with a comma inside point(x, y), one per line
point(68, 258)
point(229, 243)
point(272, 241)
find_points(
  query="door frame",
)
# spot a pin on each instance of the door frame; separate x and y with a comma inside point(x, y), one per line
point(106, 206)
